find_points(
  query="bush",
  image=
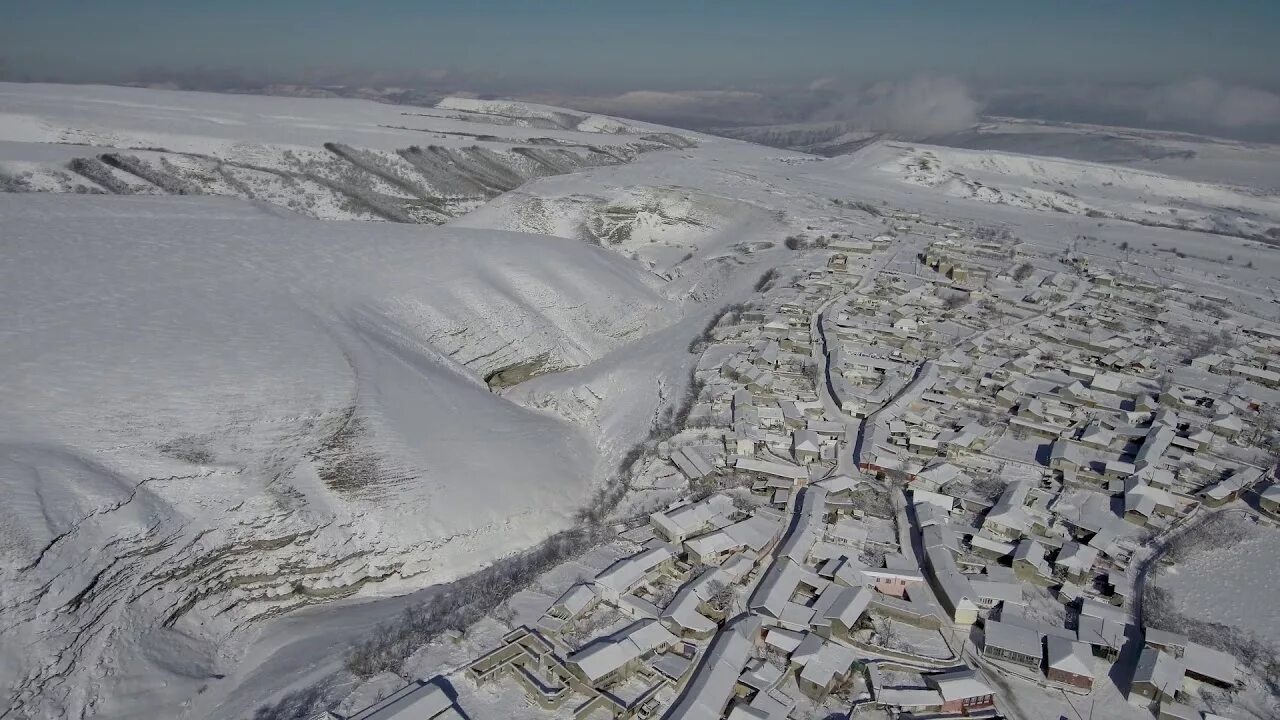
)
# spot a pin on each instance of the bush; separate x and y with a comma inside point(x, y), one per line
point(465, 602)
point(1023, 271)
point(731, 312)
point(93, 169)
point(162, 179)
point(766, 280)
point(868, 208)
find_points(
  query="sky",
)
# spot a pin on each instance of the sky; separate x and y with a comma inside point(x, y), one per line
point(601, 48)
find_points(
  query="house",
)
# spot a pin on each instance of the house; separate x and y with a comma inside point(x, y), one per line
point(847, 608)
point(1075, 561)
point(1208, 666)
point(1154, 445)
point(1029, 559)
point(756, 534)
point(613, 658)
point(714, 682)
point(1143, 502)
point(571, 605)
point(961, 691)
point(949, 584)
point(1067, 457)
point(945, 503)
point(1012, 644)
point(990, 593)
point(1008, 519)
point(677, 524)
point(806, 447)
point(692, 463)
point(681, 615)
point(1230, 488)
point(1201, 664)
point(896, 578)
point(1157, 678)
point(1069, 662)
point(1102, 626)
point(416, 701)
point(768, 468)
point(1104, 636)
point(1269, 499)
point(624, 575)
point(1228, 426)
point(823, 665)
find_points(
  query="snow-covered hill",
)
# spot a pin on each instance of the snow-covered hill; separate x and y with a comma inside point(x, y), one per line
point(1082, 188)
point(212, 414)
point(330, 159)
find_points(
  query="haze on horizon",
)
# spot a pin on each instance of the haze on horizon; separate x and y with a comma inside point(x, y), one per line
point(914, 67)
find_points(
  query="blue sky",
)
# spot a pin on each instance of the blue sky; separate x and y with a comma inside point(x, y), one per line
point(598, 46)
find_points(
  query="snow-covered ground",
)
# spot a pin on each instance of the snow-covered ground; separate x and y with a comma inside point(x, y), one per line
point(216, 411)
point(1223, 583)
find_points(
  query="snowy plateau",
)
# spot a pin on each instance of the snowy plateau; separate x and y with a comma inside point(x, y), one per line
point(272, 369)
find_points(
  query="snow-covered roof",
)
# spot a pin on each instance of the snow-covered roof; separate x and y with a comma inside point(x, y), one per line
point(604, 655)
point(993, 590)
point(575, 599)
point(849, 605)
point(769, 467)
point(712, 684)
point(1069, 656)
point(1159, 669)
point(416, 701)
point(624, 574)
point(683, 610)
point(959, 685)
point(1076, 557)
point(1013, 638)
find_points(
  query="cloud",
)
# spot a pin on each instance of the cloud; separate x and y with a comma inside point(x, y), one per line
point(919, 107)
point(1197, 105)
point(1205, 100)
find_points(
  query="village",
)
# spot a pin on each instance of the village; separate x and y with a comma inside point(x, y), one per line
point(926, 477)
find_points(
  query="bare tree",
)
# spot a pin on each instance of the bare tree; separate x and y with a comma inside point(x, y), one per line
point(1023, 271)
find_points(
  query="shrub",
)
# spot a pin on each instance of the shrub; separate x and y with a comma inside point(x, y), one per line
point(162, 179)
point(766, 280)
point(95, 170)
point(465, 602)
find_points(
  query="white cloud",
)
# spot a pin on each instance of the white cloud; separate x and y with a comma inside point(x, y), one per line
point(1205, 100)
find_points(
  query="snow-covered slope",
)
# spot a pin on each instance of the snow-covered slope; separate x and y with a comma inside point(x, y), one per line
point(212, 414)
point(1194, 157)
point(1082, 188)
point(331, 159)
